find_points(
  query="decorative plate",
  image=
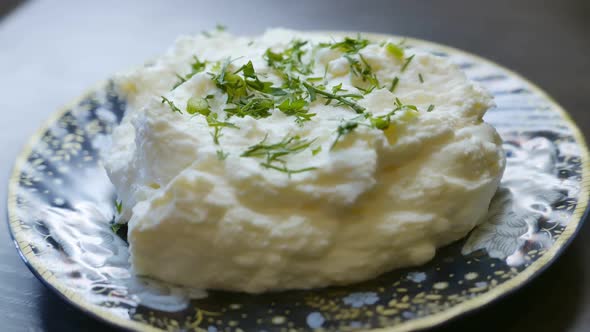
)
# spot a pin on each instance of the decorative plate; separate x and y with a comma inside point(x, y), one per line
point(61, 204)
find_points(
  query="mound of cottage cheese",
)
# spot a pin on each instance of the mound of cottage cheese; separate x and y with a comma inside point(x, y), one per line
point(378, 156)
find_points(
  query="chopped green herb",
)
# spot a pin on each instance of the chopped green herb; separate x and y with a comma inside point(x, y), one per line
point(344, 129)
point(421, 78)
point(116, 227)
point(337, 88)
point(221, 155)
point(230, 83)
point(430, 108)
point(394, 84)
point(315, 79)
point(395, 50)
point(171, 105)
point(363, 70)
point(196, 67)
point(273, 153)
point(381, 123)
point(218, 28)
point(348, 45)
point(408, 60)
point(316, 150)
point(297, 108)
point(290, 60)
point(344, 99)
point(198, 105)
point(401, 105)
point(218, 125)
point(289, 171)
point(256, 107)
point(248, 95)
point(119, 206)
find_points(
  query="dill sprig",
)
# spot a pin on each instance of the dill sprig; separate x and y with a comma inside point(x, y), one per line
point(344, 99)
point(381, 122)
point(289, 60)
point(171, 105)
point(348, 45)
point(218, 126)
point(196, 67)
point(344, 129)
point(296, 107)
point(248, 94)
point(251, 96)
point(274, 152)
point(363, 70)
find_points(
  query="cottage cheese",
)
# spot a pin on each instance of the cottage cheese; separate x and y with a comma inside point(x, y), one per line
point(379, 200)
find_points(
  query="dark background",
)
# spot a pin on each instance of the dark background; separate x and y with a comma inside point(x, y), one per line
point(51, 51)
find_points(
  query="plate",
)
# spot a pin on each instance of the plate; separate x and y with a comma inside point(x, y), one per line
point(61, 204)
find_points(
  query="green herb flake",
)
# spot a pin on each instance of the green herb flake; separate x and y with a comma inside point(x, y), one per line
point(171, 105)
point(218, 126)
point(289, 60)
point(317, 150)
point(197, 66)
point(119, 206)
point(349, 45)
point(394, 84)
point(395, 50)
point(380, 123)
point(421, 78)
point(296, 107)
point(407, 63)
point(344, 129)
point(363, 70)
point(218, 28)
point(344, 99)
point(221, 155)
point(116, 227)
point(273, 153)
point(430, 108)
point(198, 105)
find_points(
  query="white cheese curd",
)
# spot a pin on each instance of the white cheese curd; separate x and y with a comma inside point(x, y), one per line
point(355, 201)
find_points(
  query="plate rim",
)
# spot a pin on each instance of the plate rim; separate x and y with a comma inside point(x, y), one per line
point(477, 303)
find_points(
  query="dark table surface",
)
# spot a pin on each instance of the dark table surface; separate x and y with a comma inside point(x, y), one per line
point(50, 51)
